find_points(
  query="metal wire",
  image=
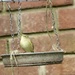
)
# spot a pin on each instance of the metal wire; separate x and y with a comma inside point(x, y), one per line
point(19, 23)
point(11, 25)
point(53, 24)
point(48, 15)
point(12, 35)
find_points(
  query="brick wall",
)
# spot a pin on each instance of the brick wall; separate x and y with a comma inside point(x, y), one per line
point(33, 24)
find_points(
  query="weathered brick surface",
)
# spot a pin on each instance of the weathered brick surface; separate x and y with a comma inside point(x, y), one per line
point(68, 41)
point(62, 2)
point(15, 44)
point(43, 43)
point(19, 71)
point(35, 21)
point(14, 6)
point(5, 25)
point(66, 68)
point(40, 3)
point(1, 6)
point(2, 46)
point(66, 18)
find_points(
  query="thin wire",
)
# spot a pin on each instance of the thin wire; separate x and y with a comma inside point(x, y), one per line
point(19, 23)
point(12, 54)
point(19, 19)
point(12, 35)
point(19, 28)
point(53, 24)
point(11, 26)
point(47, 23)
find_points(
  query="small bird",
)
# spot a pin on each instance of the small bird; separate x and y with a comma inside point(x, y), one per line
point(26, 44)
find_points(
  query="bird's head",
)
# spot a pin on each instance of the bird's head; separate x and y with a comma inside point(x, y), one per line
point(25, 36)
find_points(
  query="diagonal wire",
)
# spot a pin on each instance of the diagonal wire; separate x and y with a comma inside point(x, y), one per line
point(53, 24)
point(11, 25)
point(47, 23)
point(19, 23)
point(12, 35)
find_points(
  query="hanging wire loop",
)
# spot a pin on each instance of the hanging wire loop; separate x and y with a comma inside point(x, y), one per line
point(50, 4)
point(19, 23)
point(11, 25)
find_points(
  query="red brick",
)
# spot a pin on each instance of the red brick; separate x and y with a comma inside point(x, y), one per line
point(66, 18)
point(5, 25)
point(3, 44)
point(1, 6)
point(62, 2)
point(27, 70)
point(40, 3)
point(68, 64)
point(15, 44)
point(65, 68)
point(35, 21)
point(43, 43)
point(67, 40)
point(14, 6)
point(19, 70)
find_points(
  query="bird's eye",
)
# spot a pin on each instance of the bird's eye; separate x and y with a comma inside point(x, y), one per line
point(26, 36)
